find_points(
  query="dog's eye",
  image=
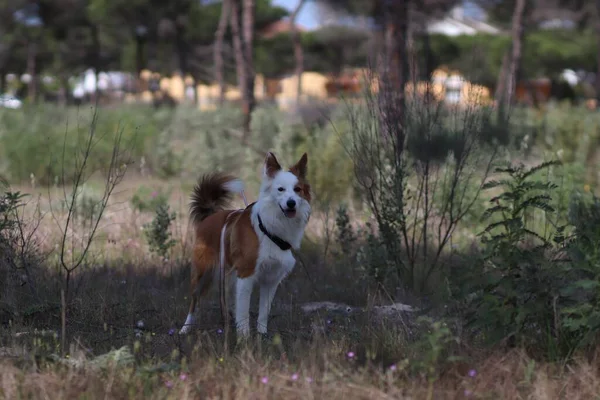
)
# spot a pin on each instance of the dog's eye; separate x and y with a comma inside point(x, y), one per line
point(281, 189)
point(297, 189)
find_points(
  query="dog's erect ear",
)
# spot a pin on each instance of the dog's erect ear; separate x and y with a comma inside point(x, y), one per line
point(271, 165)
point(300, 168)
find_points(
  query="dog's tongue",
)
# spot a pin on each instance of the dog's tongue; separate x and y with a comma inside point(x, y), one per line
point(290, 213)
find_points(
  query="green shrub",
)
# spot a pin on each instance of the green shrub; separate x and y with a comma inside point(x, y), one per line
point(147, 199)
point(158, 232)
point(419, 172)
point(43, 140)
point(581, 302)
point(513, 291)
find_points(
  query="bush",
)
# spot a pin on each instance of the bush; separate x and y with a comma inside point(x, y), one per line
point(513, 293)
point(37, 140)
point(581, 311)
point(146, 199)
point(158, 231)
point(416, 172)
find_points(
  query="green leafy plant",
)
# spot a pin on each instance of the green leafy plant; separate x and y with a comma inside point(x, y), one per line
point(434, 350)
point(158, 233)
point(146, 199)
point(581, 314)
point(514, 293)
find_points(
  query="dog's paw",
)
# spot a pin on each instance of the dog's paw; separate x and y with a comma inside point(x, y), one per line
point(185, 329)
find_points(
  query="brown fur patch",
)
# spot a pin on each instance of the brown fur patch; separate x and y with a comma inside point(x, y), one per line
point(300, 169)
point(209, 195)
point(241, 244)
point(271, 165)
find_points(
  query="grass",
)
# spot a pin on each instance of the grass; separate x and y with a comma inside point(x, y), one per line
point(127, 304)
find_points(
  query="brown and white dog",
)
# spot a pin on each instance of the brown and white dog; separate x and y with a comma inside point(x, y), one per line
point(257, 241)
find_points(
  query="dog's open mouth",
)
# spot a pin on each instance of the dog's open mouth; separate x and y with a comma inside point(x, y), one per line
point(290, 213)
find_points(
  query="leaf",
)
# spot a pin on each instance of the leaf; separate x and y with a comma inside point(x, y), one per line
point(540, 167)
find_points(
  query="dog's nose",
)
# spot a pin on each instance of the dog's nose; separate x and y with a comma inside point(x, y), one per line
point(291, 203)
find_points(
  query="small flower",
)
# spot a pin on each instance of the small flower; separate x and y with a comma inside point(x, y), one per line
point(308, 379)
point(219, 331)
point(220, 359)
point(140, 324)
point(171, 331)
point(295, 377)
point(169, 384)
point(350, 354)
point(472, 373)
point(183, 377)
point(329, 322)
point(468, 393)
point(154, 194)
point(587, 188)
point(265, 380)
point(393, 367)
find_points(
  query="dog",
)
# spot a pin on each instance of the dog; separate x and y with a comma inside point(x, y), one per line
point(256, 241)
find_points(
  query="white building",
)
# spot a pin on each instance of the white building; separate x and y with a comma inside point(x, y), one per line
point(458, 23)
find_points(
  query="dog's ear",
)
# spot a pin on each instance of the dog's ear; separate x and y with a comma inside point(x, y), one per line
point(271, 165)
point(300, 168)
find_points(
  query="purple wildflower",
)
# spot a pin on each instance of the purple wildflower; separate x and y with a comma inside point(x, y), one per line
point(169, 384)
point(468, 393)
point(171, 331)
point(183, 377)
point(472, 373)
point(265, 380)
point(393, 367)
point(350, 354)
point(295, 377)
point(219, 331)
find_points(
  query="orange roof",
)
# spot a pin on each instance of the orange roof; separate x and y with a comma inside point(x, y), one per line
point(277, 27)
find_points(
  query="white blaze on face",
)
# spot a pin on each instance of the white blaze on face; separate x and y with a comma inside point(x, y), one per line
point(285, 192)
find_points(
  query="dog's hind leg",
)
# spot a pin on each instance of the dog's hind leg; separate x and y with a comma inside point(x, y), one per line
point(202, 277)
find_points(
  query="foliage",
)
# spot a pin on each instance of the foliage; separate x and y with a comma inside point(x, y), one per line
point(158, 231)
point(514, 292)
point(581, 311)
point(147, 199)
point(434, 349)
point(546, 53)
point(51, 134)
point(415, 172)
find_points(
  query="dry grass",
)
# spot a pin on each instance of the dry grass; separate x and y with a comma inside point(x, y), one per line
point(122, 284)
point(320, 374)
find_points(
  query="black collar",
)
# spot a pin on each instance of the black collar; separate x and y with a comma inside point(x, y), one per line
point(282, 244)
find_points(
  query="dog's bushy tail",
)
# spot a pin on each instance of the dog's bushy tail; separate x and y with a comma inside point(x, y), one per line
point(213, 192)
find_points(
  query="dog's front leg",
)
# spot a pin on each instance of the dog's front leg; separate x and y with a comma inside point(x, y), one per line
point(243, 293)
point(267, 292)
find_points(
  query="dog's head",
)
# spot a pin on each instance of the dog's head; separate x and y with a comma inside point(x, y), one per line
point(288, 189)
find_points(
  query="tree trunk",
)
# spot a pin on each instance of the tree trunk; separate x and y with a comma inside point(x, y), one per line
point(298, 51)
point(182, 51)
point(237, 45)
point(2, 81)
point(248, 11)
point(598, 54)
point(96, 59)
point(515, 58)
point(398, 71)
point(243, 46)
point(63, 97)
point(501, 81)
point(31, 70)
point(218, 49)
point(139, 61)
